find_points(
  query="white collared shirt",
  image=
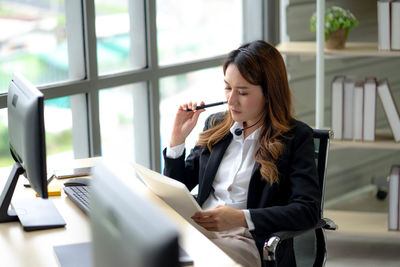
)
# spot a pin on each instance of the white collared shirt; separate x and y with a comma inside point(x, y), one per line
point(231, 183)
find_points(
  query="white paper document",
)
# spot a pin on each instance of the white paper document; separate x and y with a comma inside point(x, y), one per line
point(174, 193)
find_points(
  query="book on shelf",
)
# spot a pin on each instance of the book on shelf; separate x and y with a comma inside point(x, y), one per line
point(354, 108)
point(358, 106)
point(348, 90)
point(395, 25)
point(384, 22)
point(390, 108)
point(393, 214)
point(369, 114)
point(337, 106)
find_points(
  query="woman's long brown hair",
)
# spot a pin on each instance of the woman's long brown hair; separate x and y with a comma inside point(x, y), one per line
point(249, 59)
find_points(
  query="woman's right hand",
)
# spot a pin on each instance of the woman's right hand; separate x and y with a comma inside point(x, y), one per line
point(184, 122)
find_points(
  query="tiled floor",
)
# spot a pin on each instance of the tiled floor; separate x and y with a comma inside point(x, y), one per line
point(355, 251)
point(366, 200)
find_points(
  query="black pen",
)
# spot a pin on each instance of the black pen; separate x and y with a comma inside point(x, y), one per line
point(208, 105)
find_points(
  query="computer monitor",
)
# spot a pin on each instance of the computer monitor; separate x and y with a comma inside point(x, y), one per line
point(127, 230)
point(25, 104)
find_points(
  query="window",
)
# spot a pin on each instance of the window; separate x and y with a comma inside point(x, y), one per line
point(120, 35)
point(124, 123)
point(191, 30)
point(34, 42)
point(58, 127)
point(204, 85)
point(5, 156)
point(113, 72)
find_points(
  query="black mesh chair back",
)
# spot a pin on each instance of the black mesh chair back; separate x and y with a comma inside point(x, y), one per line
point(321, 143)
point(309, 245)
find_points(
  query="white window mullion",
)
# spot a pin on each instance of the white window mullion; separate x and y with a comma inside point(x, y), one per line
point(252, 20)
point(76, 71)
point(137, 33)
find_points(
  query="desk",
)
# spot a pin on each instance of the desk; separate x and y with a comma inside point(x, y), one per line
point(19, 248)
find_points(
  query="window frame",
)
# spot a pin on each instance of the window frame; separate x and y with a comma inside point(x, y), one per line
point(89, 87)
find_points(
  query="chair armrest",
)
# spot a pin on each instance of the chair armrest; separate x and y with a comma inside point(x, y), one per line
point(329, 224)
point(274, 239)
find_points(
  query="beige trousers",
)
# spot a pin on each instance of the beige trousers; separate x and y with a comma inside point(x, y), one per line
point(239, 245)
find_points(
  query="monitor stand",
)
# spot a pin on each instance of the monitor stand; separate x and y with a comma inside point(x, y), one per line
point(34, 214)
point(7, 215)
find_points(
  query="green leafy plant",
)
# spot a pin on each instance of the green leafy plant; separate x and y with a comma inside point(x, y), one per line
point(335, 18)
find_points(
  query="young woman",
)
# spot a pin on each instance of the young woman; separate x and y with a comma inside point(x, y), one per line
point(254, 163)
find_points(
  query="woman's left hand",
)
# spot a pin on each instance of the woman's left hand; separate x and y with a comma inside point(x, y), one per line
point(220, 219)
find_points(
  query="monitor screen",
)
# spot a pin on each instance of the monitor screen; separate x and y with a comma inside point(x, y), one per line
point(26, 131)
point(127, 230)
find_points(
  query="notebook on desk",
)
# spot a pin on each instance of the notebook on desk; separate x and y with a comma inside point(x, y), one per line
point(174, 193)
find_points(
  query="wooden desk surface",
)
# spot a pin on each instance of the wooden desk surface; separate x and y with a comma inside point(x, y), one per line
point(19, 248)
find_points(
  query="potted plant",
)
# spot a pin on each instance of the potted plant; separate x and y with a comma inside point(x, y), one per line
point(338, 22)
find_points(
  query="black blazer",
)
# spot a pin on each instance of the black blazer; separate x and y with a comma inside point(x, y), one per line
point(292, 204)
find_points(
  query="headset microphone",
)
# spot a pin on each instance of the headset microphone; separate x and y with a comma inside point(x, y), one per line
point(239, 131)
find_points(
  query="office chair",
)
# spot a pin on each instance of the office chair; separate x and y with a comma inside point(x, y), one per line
point(309, 245)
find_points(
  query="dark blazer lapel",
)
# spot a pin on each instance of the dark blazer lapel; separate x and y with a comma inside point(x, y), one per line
point(256, 184)
point(212, 167)
point(255, 168)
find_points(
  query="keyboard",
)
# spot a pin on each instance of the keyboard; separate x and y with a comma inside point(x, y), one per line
point(79, 195)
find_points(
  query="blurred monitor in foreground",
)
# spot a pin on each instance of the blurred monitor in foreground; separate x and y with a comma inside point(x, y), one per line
point(126, 229)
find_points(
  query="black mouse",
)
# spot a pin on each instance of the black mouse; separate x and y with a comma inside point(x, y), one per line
point(77, 182)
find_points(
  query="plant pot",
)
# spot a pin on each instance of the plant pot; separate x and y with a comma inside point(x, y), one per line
point(336, 40)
